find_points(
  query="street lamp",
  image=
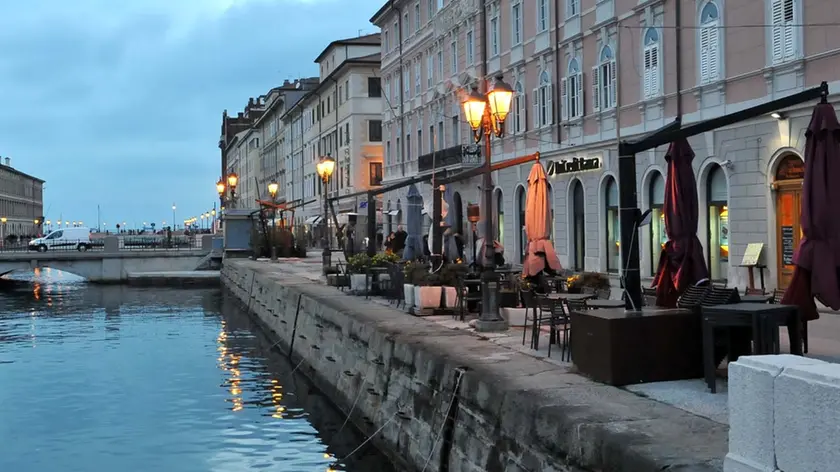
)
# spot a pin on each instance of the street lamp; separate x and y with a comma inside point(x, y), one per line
point(3, 220)
point(273, 187)
point(173, 213)
point(486, 116)
point(325, 168)
point(232, 180)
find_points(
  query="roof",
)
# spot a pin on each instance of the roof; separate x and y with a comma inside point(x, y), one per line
point(22, 174)
point(366, 40)
point(376, 16)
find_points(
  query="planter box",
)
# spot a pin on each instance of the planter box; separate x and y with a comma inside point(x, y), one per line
point(359, 283)
point(450, 295)
point(427, 297)
point(408, 294)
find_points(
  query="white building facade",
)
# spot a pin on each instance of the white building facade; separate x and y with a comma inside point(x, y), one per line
point(590, 72)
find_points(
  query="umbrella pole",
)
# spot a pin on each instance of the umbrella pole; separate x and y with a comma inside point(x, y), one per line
point(437, 233)
point(629, 218)
point(371, 224)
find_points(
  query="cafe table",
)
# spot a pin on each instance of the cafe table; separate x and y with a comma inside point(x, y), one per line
point(758, 298)
point(571, 297)
point(598, 303)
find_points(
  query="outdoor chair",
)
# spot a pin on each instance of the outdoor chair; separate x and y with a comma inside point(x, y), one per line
point(342, 279)
point(588, 290)
point(396, 292)
point(649, 296)
point(754, 291)
point(603, 293)
point(464, 297)
point(549, 312)
point(778, 294)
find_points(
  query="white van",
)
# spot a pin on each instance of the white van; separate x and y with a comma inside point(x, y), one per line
point(63, 239)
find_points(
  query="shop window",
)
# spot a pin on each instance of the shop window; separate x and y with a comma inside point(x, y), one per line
point(578, 225)
point(658, 237)
point(612, 228)
point(522, 238)
point(718, 231)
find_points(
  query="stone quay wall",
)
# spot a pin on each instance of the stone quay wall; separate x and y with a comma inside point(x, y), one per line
point(436, 398)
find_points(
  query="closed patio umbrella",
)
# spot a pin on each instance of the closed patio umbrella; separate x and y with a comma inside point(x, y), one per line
point(540, 254)
point(414, 224)
point(818, 257)
point(450, 247)
point(681, 262)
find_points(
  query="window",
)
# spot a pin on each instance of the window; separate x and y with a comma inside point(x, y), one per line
point(386, 43)
point(388, 159)
point(375, 170)
point(717, 196)
point(431, 9)
point(407, 81)
point(405, 25)
point(650, 80)
point(439, 4)
point(543, 107)
point(456, 130)
point(416, 17)
point(347, 89)
point(578, 226)
point(347, 133)
point(432, 138)
point(494, 35)
point(708, 41)
point(439, 65)
point(612, 227)
point(658, 237)
point(516, 23)
point(470, 48)
point(375, 131)
point(374, 87)
point(387, 89)
point(408, 147)
point(521, 236)
point(603, 81)
point(572, 8)
point(419, 142)
point(417, 79)
point(430, 70)
point(542, 16)
point(397, 32)
point(518, 108)
point(571, 92)
point(453, 51)
point(783, 18)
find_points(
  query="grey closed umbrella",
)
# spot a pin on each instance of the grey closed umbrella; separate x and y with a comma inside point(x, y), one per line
point(414, 223)
point(450, 247)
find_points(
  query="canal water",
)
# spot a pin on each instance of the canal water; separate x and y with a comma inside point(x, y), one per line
point(114, 378)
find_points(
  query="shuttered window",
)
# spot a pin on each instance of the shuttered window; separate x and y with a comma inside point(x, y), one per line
point(651, 86)
point(571, 92)
point(604, 81)
point(783, 16)
point(709, 43)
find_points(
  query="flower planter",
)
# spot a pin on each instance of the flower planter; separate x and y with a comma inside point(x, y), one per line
point(427, 297)
point(450, 295)
point(359, 283)
point(408, 294)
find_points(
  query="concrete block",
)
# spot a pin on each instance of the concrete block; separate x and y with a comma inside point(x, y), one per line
point(751, 411)
point(807, 418)
point(112, 244)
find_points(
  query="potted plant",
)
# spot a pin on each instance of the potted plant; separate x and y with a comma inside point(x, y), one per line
point(573, 284)
point(427, 291)
point(450, 275)
point(358, 265)
point(414, 273)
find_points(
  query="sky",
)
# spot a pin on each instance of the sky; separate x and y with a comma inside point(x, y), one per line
point(117, 105)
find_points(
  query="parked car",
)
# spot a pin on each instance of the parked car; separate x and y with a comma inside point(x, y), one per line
point(77, 238)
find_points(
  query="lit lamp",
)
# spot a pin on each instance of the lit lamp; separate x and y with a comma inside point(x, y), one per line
point(3, 220)
point(325, 169)
point(273, 187)
point(173, 215)
point(232, 180)
point(486, 115)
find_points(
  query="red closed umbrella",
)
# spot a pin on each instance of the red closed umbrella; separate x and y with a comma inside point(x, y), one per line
point(818, 257)
point(681, 262)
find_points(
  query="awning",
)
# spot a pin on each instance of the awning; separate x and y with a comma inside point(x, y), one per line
point(312, 220)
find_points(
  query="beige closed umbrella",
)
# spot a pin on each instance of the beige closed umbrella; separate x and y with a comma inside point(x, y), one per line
point(540, 251)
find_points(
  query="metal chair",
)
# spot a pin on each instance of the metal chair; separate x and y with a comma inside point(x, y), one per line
point(753, 291)
point(603, 293)
point(778, 294)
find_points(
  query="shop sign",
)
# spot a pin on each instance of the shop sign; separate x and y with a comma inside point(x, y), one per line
point(569, 166)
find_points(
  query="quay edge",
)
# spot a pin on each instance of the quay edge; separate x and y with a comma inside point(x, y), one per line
point(512, 412)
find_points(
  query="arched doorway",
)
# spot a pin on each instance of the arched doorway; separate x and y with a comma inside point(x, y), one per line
point(658, 237)
point(578, 225)
point(717, 196)
point(788, 186)
point(520, 209)
point(612, 228)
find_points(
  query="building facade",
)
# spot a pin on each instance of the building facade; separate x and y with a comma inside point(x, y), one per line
point(21, 203)
point(590, 72)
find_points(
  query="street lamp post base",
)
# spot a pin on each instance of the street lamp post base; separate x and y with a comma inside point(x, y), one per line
point(326, 260)
point(490, 320)
point(491, 326)
point(273, 253)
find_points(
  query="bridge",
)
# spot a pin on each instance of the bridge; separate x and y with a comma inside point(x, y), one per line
point(114, 261)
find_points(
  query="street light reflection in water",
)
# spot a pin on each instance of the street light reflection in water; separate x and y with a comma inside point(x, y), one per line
point(154, 379)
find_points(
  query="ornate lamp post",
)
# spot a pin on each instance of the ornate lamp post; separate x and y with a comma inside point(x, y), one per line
point(273, 187)
point(232, 180)
point(325, 168)
point(486, 115)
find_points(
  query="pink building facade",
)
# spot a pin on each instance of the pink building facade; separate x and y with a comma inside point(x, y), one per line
point(590, 72)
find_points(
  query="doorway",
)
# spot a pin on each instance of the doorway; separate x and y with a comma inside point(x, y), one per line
point(578, 225)
point(788, 189)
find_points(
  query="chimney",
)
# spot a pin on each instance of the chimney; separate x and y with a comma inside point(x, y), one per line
point(8, 162)
point(240, 115)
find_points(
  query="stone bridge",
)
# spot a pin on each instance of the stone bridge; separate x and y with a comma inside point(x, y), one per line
point(112, 264)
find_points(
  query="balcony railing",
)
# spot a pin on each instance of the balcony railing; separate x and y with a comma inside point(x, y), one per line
point(468, 156)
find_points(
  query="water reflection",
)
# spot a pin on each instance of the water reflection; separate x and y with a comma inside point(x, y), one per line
point(118, 378)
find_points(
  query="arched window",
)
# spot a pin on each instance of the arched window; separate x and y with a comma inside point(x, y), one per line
point(658, 238)
point(578, 225)
point(604, 81)
point(650, 80)
point(612, 228)
point(708, 40)
point(522, 239)
point(543, 108)
point(500, 217)
point(717, 196)
point(571, 91)
point(518, 108)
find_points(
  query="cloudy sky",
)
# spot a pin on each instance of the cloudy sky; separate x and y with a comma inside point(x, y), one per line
point(119, 103)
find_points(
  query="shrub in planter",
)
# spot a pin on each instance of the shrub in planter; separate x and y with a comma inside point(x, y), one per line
point(450, 274)
point(383, 259)
point(414, 272)
point(358, 265)
point(427, 291)
point(592, 280)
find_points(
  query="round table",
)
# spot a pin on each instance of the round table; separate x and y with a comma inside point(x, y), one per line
point(596, 303)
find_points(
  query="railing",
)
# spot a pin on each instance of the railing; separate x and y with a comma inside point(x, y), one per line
point(469, 155)
point(125, 243)
point(63, 245)
point(151, 243)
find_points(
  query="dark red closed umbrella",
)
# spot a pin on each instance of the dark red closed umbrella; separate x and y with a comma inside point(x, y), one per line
point(681, 262)
point(818, 257)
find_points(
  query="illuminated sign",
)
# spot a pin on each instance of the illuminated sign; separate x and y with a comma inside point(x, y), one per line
point(577, 164)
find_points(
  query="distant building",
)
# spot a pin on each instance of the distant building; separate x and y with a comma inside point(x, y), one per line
point(21, 202)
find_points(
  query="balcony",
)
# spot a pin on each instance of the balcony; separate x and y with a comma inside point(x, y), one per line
point(456, 156)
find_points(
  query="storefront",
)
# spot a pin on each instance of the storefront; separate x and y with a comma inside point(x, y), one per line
point(787, 186)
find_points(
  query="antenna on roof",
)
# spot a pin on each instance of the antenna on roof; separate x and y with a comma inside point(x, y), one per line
point(360, 32)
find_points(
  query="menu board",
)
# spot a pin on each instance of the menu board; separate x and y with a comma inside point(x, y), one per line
point(787, 245)
point(752, 254)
